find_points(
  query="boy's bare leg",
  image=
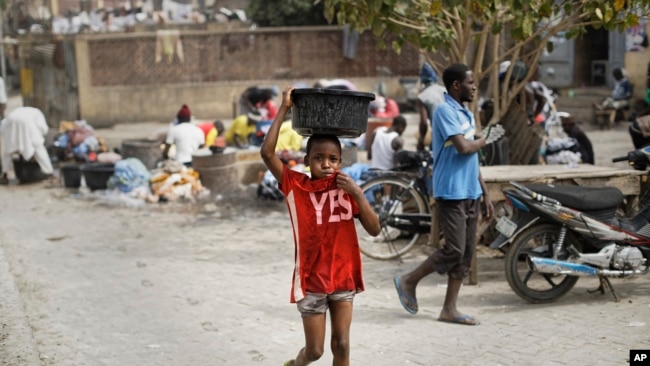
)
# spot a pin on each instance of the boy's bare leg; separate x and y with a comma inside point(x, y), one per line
point(341, 313)
point(314, 327)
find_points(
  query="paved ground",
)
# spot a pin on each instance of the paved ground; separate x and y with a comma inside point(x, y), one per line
point(102, 285)
point(88, 283)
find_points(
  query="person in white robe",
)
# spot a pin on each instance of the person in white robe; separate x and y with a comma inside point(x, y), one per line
point(23, 132)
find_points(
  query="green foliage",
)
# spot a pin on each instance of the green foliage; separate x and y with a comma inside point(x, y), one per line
point(286, 13)
point(435, 24)
point(457, 28)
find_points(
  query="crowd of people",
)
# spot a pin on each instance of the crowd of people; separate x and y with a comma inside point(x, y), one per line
point(323, 200)
point(257, 108)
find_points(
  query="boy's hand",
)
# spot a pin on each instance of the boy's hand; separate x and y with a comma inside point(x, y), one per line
point(286, 97)
point(346, 183)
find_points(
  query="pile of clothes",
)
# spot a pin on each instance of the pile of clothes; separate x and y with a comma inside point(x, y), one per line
point(77, 141)
point(173, 181)
point(562, 150)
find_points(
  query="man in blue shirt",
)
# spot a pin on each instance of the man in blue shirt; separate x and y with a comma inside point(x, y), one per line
point(458, 187)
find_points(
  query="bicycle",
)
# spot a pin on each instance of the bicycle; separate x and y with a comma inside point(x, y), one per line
point(400, 197)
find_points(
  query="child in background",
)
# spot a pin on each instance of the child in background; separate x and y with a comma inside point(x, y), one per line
point(327, 272)
point(212, 130)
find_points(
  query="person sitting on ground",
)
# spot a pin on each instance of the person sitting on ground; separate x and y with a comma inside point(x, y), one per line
point(254, 98)
point(213, 130)
point(186, 137)
point(241, 131)
point(621, 95)
point(23, 132)
point(385, 142)
point(288, 138)
point(574, 131)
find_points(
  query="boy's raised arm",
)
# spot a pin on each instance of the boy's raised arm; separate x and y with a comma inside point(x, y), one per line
point(267, 149)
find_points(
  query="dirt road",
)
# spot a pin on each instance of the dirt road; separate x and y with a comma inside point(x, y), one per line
point(87, 283)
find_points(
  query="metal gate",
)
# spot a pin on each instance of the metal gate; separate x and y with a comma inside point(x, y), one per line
point(48, 80)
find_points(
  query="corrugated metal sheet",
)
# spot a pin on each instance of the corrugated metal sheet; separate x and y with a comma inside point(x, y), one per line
point(43, 52)
point(53, 89)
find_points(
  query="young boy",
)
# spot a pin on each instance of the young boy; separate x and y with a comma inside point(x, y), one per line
point(385, 142)
point(327, 271)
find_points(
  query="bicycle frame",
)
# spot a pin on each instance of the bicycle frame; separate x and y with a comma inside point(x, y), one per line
point(415, 179)
point(400, 198)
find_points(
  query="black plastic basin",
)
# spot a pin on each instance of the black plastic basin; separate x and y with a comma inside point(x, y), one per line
point(71, 173)
point(96, 175)
point(330, 111)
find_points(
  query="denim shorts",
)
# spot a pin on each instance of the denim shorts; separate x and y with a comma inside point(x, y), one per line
point(313, 304)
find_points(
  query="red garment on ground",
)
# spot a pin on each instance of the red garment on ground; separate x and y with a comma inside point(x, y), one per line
point(327, 256)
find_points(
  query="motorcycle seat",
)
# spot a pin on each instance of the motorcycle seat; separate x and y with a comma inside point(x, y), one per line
point(581, 198)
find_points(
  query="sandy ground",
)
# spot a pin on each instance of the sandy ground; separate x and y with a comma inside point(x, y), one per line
point(90, 281)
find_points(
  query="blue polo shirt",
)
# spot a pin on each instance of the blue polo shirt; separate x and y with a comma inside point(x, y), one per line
point(455, 175)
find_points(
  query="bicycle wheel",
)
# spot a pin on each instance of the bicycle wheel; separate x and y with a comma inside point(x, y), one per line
point(401, 210)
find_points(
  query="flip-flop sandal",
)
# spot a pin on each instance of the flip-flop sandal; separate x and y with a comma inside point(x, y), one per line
point(412, 305)
point(463, 319)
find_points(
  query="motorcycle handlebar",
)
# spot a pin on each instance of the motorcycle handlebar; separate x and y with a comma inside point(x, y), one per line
point(620, 158)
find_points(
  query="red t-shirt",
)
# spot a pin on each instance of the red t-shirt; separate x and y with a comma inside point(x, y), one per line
point(271, 110)
point(390, 111)
point(327, 257)
point(206, 127)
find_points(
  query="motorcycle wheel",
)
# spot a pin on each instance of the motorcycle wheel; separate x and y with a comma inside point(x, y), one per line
point(389, 196)
point(528, 284)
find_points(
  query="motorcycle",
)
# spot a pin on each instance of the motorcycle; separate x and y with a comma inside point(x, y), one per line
point(557, 234)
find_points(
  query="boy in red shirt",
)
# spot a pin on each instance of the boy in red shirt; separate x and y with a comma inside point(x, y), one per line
point(322, 208)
